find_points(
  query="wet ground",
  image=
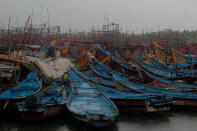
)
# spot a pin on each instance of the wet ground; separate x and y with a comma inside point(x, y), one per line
point(173, 121)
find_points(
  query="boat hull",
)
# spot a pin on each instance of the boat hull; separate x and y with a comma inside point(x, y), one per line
point(139, 106)
point(50, 111)
point(100, 123)
point(185, 103)
point(116, 66)
point(9, 105)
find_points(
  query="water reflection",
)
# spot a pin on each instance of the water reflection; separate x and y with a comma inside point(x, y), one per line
point(74, 125)
point(176, 121)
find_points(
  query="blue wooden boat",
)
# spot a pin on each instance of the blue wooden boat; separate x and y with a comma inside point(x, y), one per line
point(50, 102)
point(159, 65)
point(186, 75)
point(169, 84)
point(146, 103)
point(184, 70)
point(182, 99)
point(94, 79)
point(158, 71)
point(88, 104)
point(128, 101)
point(105, 72)
point(183, 65)
point(30, 86)
point(179, 68)
point(100, 70)
point(122, 67)
point(115, 63)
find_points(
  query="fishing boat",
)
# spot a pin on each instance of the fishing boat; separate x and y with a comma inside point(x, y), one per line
point(88, 104)
point(184, 66)
point(94, 79)
point(48, 103)
point(128, 101)
point(158, 64)
point(82, 62)
point(169, 84)
point(116, 64)
point(100, 70)
point(169, 74)
point(101, 55)
point(91, 106)
point(138, 103)
point(105, 72)
point(182, 99)
point(30, 86)
point(158, 71)
point(184, 69)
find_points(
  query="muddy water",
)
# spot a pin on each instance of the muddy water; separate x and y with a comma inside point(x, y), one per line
point(174, 121)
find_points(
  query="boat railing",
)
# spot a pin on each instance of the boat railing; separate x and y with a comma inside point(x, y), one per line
point(98, 92)
point(85, 93)
point(45, 89)
point(95, 78)
point(75, 80)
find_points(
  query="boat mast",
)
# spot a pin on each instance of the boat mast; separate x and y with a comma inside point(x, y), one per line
point(8, 35)
point(25, 27)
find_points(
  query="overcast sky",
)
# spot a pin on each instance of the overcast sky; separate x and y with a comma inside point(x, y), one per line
point(135, 15)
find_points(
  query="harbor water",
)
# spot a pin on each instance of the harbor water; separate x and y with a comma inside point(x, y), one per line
point(173, 121)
